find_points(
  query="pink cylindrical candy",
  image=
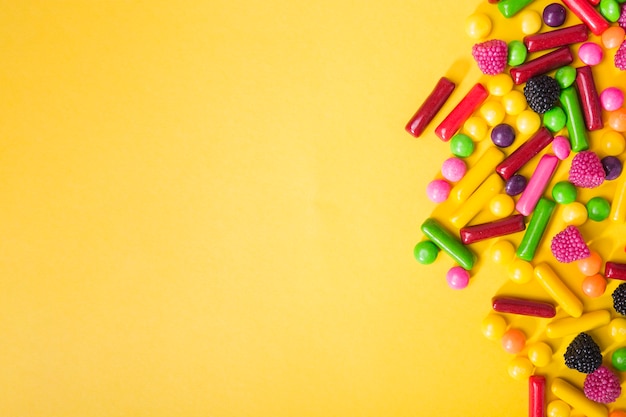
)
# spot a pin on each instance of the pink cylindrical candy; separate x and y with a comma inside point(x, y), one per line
point(438, 191)
point(588, 15)
point(502, 227)
point(453, 169)
point(611, 98)
point(431, 106)
point(556, 38)
point(457, 278)
point(545, 63)
point(589, 100)
point(561, 147)
point(537, 184)
point(590, 53)
point(524, 153)
point(453, 122)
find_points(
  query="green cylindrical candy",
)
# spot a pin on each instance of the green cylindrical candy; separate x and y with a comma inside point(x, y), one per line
point(510, 8)
point(448, 243)
point(575, 122)
point(536, 228)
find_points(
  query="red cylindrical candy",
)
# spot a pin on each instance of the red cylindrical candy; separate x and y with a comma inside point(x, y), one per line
point(556, 38)
point(545, 63)
point(536, 396)
point(588, 14)
point(502, 227)
point(431, 106)
point(589, 100)
point(615, 270)
point(523, 307)
point(452, 123)
point(524, 153)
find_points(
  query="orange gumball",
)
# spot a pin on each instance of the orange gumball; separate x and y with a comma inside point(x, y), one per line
point(513, 341)
point(617, 413)
point(590, 265)
point(617, 120)
point(594, 286)
point(613, 37)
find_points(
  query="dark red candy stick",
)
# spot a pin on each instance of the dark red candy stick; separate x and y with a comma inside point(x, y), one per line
point(536, 396)
point(502, 227)
point(524, 153)
point(589, 100)
point(615, 270)
point(431, 106)
point(556, 38)
point(588, 14)
point(523, 306)
point(545, 63)
point(468, 104)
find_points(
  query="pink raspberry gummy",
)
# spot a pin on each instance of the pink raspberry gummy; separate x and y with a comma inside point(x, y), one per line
point(602, 386)
point(586, 170)
point(622, 18)
point(569, 245)
point(491, 56)
point(620, 57)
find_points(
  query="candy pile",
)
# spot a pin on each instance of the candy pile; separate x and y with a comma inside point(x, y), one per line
point(535, 180)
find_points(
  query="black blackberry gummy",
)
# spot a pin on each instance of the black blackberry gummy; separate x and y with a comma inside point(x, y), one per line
point(583, 354)
point(619, 299)
point(542, 93)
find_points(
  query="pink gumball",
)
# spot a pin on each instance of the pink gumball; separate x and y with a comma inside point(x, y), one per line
point(457, 278)
point(453, 169)
point(438, 191)
point(611, 98)
point(590, 53)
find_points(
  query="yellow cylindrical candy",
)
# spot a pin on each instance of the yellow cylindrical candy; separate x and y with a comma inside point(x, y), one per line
point(558, 290)
point(570, 325)
point(618, 207)
point(476, 202)
point(574, 397)
point(485, 166)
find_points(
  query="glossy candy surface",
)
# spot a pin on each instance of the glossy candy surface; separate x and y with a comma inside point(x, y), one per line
point(524, 153)
point(556, 38)
point(541, 65)
point(526, 307)
point(448, 243)
point(535, 230)
point(589, 100)
point(588, 15)
point(463, 110)
point(431, 106)
point(503, 227)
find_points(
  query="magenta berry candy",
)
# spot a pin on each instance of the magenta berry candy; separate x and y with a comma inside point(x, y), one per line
point(602, 386)
point(491, 56)
point(620, 56)
point(569, 245)
point(586, 170)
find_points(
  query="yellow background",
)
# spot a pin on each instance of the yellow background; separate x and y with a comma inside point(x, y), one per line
point(208, 208)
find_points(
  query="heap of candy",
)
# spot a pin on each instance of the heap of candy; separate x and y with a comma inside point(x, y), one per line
point(535, 180)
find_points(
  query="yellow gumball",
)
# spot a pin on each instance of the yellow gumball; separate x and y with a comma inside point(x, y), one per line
point(492, 112)
point(531, 22)
point(514, 102)
point(478, 26)
point(520, 368)
point(502, 252)
point(476, 128)
point(520, 271)
point(558, 408)
point(574, 213)
point(613, 143)
point(502, 205)
point(617, 328)
point(540, 354)
point(493, 326)
point(500, 84)
point(528, 122)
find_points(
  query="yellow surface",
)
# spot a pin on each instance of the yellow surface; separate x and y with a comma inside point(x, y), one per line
point(209, 209)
